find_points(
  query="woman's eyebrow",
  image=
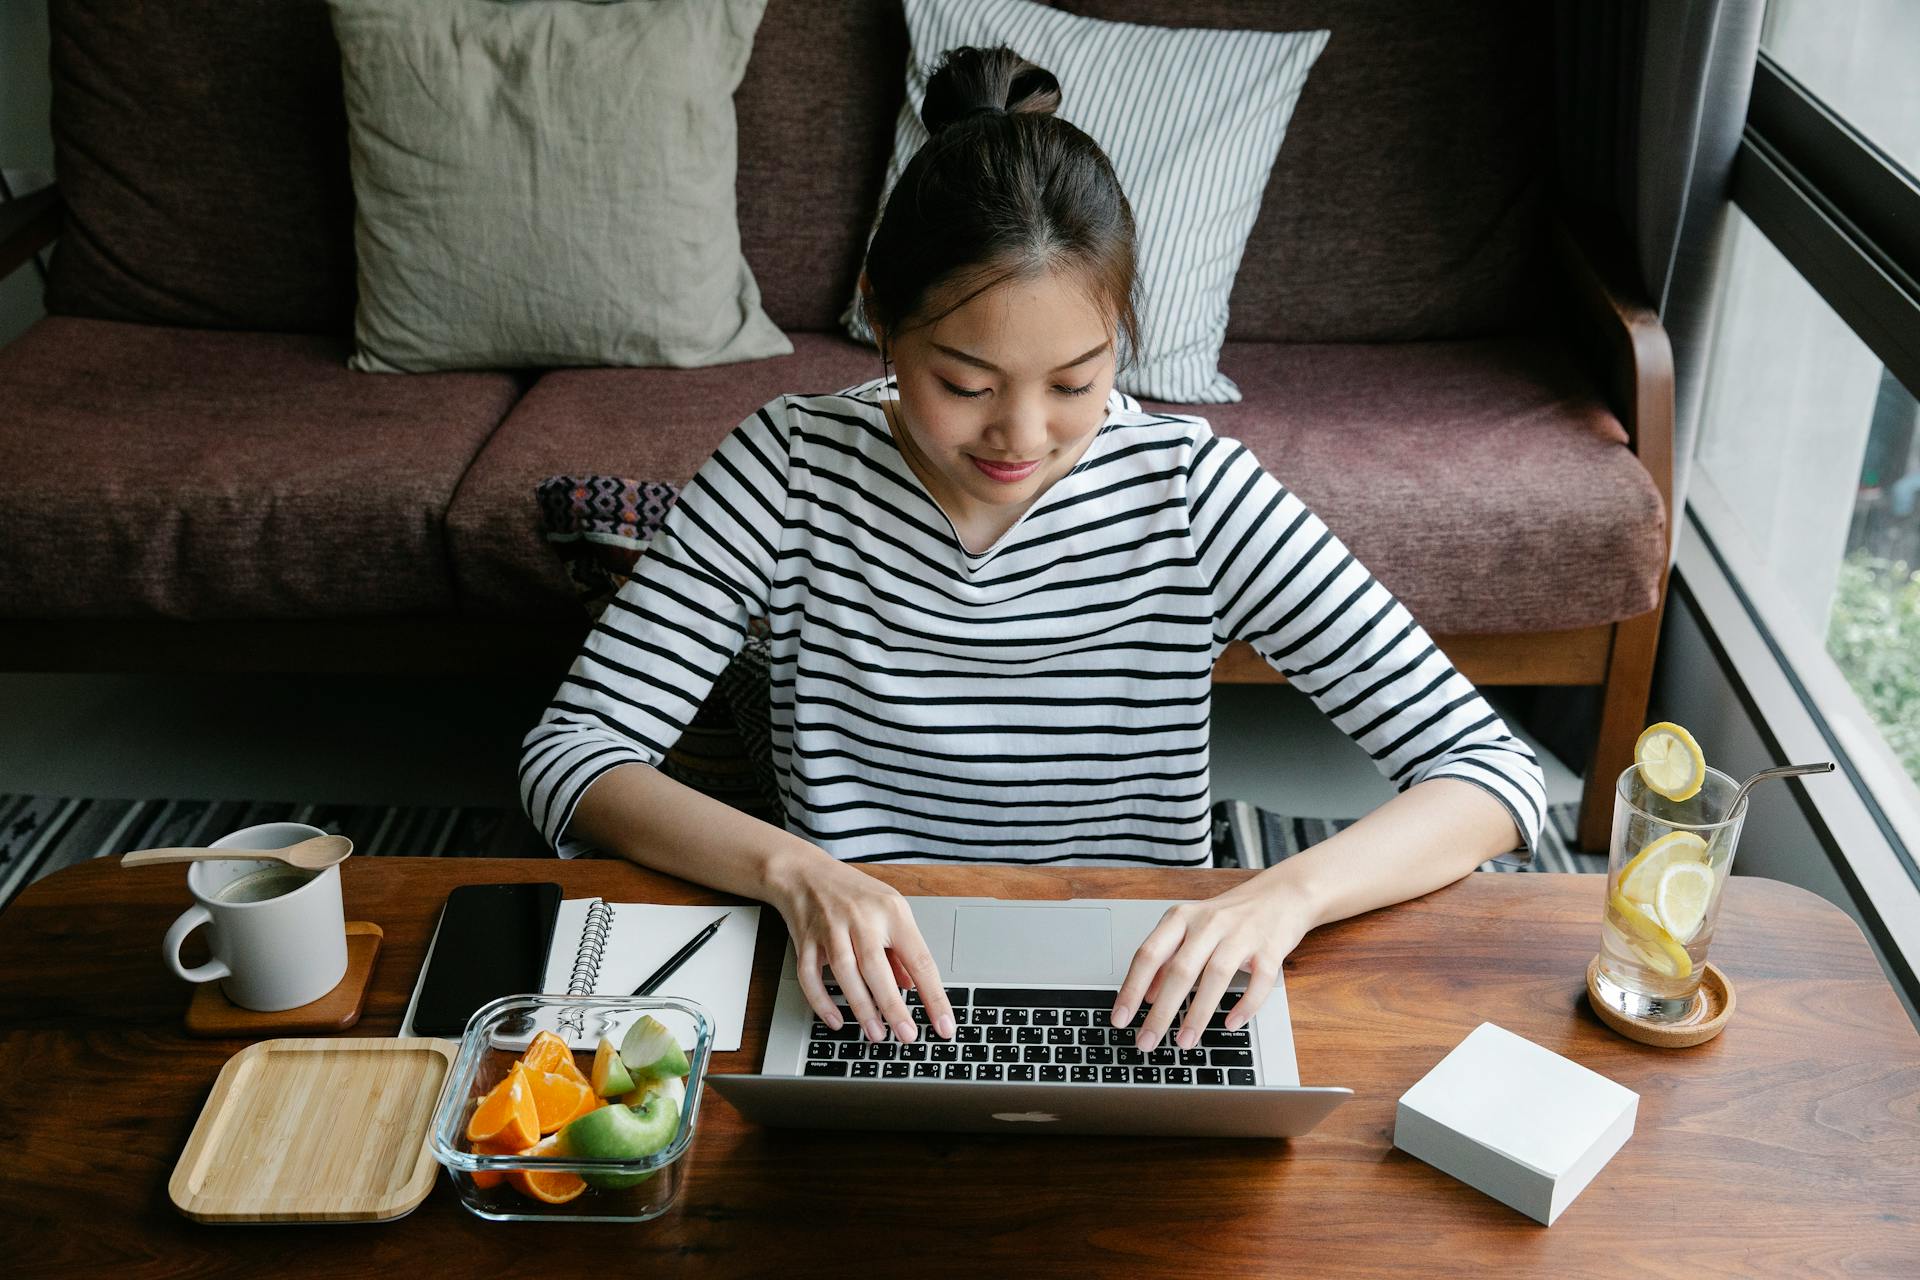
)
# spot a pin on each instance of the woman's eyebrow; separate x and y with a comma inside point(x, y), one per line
point(976, 361)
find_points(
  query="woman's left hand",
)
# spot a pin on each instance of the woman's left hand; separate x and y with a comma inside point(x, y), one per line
point(1253, 926)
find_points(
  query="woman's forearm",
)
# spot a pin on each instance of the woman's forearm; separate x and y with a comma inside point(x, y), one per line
point(1428, 836)
point(648, 818)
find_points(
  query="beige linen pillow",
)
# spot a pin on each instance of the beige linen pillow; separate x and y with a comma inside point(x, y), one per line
point(548, 182)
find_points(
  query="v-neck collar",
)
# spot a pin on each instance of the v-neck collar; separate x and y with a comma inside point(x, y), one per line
point(885, 389)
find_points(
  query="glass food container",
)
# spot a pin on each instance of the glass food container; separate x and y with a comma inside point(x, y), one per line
point(619, 1190)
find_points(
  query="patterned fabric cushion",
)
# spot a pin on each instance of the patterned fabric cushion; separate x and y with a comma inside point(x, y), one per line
point(599, 525)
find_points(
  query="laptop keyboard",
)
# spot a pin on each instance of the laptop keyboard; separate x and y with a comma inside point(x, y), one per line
point(1029, 1035)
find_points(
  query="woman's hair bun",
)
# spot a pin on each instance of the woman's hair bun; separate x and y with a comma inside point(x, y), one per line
point(975, 83)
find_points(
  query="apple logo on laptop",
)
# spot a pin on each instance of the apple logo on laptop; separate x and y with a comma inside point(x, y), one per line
point(1034, 1117)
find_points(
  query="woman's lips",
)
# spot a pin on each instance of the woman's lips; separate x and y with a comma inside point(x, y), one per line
point(1005, 472)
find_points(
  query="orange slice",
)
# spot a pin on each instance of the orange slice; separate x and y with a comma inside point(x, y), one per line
point(571, 1070)
point(546, 1053)
point(540, 1184)
point(488, 1178)
point(549, 1052)
point(507, 1116)
point(558, 1098)
point(592, 1102)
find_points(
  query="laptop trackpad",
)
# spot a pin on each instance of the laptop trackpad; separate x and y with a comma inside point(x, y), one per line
point(1033, 944)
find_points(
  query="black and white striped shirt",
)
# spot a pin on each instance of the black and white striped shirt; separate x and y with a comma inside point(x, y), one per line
point(1043, 701)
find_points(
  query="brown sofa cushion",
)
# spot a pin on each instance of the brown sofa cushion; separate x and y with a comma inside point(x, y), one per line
point(195, 473)
point(1483, 482)
point(1480, 480)
point(659, 424)
point(1406, 204)
point(201, 149)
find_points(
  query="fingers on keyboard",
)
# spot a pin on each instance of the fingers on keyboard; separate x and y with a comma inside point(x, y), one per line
point(1054, 1037)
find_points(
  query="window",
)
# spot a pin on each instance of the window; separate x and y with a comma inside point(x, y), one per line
point(1806, 476)
point(1810, 455)
point(1861, 58)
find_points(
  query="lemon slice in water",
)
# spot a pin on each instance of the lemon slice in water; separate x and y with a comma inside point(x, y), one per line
point(1640, 878)
point(1670, 761)
point(1686, 888)
point(1656, 944)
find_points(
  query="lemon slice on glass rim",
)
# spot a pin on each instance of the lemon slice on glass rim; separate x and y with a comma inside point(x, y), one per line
point(1670, 761)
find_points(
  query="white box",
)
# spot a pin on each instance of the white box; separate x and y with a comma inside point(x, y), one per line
point(1519, 1122)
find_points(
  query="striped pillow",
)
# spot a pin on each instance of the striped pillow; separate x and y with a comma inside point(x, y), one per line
point(1192, 120)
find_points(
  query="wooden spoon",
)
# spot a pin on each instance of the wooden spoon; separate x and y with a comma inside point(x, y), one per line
point(316, 853)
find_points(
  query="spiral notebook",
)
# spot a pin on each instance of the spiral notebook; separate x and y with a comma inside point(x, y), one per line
point(609, 948)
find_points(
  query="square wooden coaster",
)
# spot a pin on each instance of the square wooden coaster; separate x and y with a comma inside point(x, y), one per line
point(212, 1015)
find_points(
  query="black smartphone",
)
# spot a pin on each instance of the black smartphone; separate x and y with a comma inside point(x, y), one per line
point(492, 941)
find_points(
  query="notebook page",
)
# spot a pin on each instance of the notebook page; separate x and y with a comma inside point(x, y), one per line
point(640, 940)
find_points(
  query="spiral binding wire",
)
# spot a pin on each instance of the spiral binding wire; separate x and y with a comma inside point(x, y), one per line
point(586, 961)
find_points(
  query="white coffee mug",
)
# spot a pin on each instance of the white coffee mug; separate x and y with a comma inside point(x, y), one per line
point(276, 953)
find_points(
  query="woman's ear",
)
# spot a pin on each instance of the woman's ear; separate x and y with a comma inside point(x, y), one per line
point(866, 308)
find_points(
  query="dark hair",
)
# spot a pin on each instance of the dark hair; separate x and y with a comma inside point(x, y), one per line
point(1004, 189)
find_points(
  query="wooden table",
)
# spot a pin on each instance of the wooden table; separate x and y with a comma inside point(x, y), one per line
point(1790, 1145)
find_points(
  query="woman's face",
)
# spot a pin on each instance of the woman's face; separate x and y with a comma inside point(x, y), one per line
point(1000, 397)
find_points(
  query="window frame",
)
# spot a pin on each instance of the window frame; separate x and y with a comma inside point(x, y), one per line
point(1846, 216)
point(1839, 209)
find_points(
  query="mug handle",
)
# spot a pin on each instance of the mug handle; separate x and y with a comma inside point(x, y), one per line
point(190, 919)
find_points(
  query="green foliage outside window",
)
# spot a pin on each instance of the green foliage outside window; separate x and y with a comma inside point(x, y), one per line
point(1874, 636)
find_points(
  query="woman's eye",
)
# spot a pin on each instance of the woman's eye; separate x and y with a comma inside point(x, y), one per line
point(964, 394)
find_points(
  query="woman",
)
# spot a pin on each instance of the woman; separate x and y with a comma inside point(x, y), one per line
point(995, 589)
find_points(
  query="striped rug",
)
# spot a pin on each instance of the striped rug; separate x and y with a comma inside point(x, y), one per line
point(1245, 835)
point(41, 834)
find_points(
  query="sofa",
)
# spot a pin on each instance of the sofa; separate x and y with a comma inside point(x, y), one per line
point(1457, 371)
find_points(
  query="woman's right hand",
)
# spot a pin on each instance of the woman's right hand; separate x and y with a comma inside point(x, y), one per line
point(864, 931)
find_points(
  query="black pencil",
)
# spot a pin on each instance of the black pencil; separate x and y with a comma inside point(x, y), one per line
point(679, 958)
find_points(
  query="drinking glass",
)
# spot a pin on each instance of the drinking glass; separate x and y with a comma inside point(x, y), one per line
point(1666, 866)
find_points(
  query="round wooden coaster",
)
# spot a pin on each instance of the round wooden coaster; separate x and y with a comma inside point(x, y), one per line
point(1712, 1008)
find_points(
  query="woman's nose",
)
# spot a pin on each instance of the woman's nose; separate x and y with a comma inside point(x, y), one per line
point(1022, 431)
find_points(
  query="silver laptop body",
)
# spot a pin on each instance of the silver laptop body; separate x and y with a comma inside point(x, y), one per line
point(1032, 957)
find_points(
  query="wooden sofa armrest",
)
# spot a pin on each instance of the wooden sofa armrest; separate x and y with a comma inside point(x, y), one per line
point(1616, 330)
point(28, 224)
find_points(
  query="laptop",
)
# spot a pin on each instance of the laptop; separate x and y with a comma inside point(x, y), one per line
point(1032, 985)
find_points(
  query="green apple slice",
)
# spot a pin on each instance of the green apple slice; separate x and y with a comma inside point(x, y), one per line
point(610, 1076)
point(651, 1052)
point(621, 1133)
point(673, 1087)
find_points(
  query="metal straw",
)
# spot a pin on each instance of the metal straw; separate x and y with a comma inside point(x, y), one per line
point(1784, 771)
